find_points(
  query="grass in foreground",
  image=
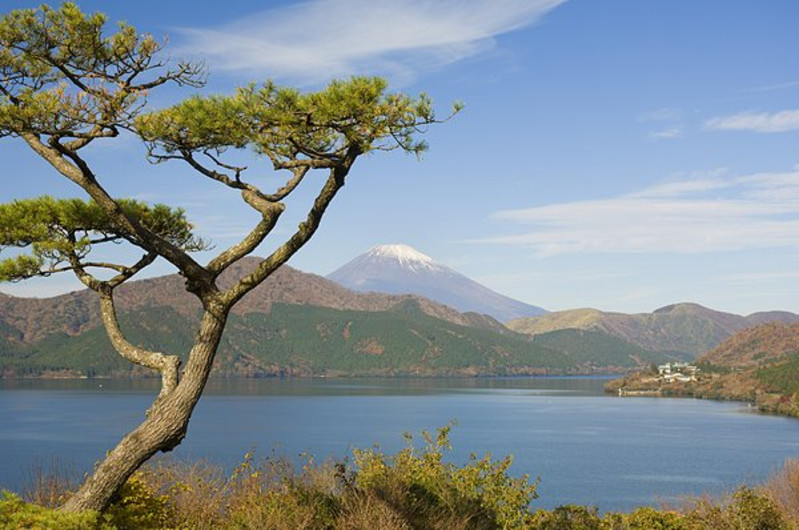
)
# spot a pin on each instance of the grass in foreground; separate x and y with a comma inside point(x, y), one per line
point(412, 489)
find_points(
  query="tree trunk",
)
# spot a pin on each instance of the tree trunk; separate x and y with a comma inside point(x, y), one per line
point(164, 428)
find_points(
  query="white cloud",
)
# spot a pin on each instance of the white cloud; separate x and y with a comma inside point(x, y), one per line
point(762, 122)
point(691, 216)
point(321, 39)
point(706, 182)
point(782, 187)
point(671, 132)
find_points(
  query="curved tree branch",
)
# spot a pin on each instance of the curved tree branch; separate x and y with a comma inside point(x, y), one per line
point(167, 365)
point(78, 172)
point(299, 173)
point(306, 229)
point(127, 273)
point(210, 173)
point(270, 212)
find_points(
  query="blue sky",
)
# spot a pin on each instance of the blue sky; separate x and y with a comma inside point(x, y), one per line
point(621, 155)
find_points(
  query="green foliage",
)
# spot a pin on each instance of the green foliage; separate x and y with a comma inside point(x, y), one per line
point(284, 122)
point(413, 489)
point(647, 518)
point(751, 510)
point(91, 352)
point(422, 485)
point(782, 377)
point(137, 507)
point(62, 76)
point(58, 231)
point(599, 349)
point(16, 514)
point(568, 517)
point(746, 509)
point(360, 342)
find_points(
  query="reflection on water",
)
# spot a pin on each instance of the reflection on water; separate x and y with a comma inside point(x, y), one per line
point(586, 447)
point(331, 386)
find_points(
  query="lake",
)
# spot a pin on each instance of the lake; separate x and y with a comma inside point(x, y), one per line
point(586, 447)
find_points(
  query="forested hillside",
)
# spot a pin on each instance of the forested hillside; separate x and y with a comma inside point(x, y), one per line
point(305, 340)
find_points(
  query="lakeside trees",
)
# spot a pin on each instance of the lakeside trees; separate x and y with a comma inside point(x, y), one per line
point(65, 85)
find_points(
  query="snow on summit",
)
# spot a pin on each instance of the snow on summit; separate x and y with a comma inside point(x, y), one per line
point(407, 256)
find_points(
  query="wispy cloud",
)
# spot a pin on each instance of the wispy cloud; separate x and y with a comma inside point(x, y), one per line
point(671, 132)
point(778, 86)
point(316, 40)
point(761, 122)
point(671, 120)
point(697, 182)
point(690, 216)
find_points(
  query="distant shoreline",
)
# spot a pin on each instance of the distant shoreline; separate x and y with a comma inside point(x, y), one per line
point(764, 402)
point(76, 377)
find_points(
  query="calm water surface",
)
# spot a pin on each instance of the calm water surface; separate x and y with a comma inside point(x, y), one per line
point(586, 447)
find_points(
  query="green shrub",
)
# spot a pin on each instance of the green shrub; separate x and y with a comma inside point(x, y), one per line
point(421, 486)
point(136, 506)
point(567, 517)
point(415, 488)
point(15, 514)
point(746, 509)
point(750, 510)
point(646, 518)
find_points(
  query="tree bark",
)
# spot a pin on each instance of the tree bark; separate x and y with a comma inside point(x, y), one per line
point(164, 428)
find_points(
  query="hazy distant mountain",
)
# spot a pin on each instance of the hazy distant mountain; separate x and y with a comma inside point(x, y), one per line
point(401, 269)
point(686, 328)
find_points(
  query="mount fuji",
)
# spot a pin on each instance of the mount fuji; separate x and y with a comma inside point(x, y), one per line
point(400, 269)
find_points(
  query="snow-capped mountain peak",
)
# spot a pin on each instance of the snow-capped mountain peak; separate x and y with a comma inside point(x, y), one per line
point(406, 256)
point(400, 269)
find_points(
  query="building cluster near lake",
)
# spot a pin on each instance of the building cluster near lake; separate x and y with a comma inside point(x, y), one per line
point(682, 372)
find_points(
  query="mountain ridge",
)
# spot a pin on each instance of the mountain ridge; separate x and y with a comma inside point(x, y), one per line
point(77, 311)
point(685, 327)
point(294, 324)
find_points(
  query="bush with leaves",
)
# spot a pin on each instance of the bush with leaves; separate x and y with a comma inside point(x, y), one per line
point(421, 485)
point(16, 513)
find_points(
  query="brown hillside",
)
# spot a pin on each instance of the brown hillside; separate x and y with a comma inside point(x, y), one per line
point(78, 311)
point(763, 344)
